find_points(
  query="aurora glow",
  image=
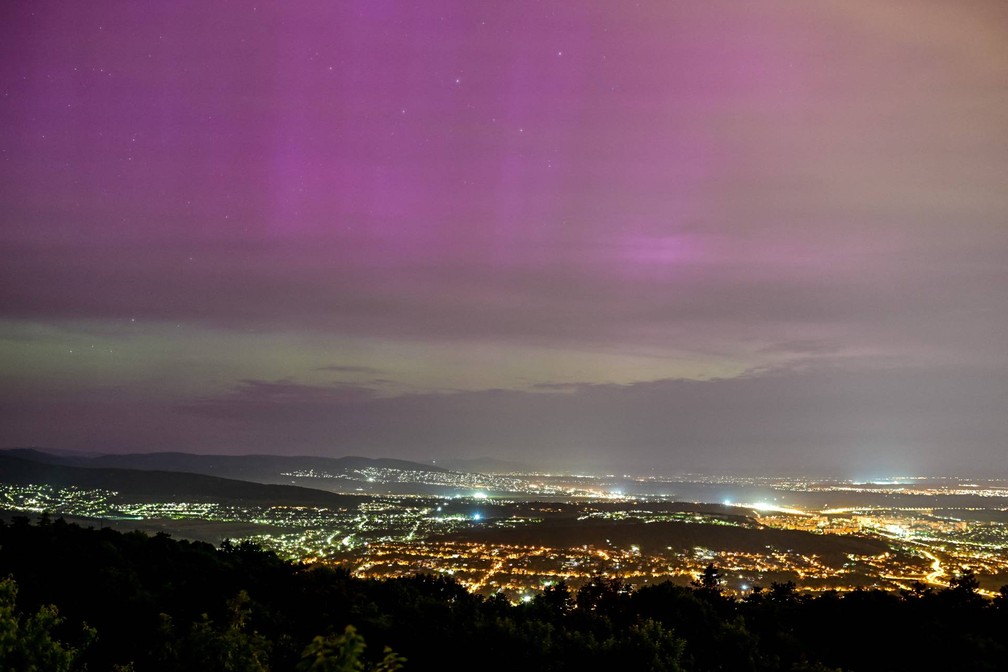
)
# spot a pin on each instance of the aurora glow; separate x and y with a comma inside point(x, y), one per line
point(706, 235)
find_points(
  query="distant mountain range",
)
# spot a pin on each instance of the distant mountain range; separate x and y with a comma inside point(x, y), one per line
point(247, 478)
point(143, 485)
point(257, 468)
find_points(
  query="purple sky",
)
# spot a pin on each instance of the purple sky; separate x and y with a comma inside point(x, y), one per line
point(699, 235)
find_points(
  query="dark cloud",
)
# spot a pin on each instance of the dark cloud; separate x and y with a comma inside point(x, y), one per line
point(279, 401)
point(824, 419)
point(808, 347)
point(342, 368)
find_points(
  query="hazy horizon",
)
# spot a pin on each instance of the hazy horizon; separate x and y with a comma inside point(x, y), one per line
point(721, 237)
point(491, 465)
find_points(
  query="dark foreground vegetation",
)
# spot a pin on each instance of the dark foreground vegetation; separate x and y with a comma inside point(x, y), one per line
point(72, 598)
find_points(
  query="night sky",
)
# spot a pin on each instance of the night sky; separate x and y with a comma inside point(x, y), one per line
point(721, 236)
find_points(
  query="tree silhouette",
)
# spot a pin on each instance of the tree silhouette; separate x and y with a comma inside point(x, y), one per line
point(602, 595)
point(556, 597)
point(709, 582)
point(783, 593)
point(964, 581)
point(231, 648)
point(344, 653)
point(28, 643)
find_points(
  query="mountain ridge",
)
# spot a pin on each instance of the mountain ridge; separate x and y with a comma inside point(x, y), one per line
point(256, 467)
point(139, 485)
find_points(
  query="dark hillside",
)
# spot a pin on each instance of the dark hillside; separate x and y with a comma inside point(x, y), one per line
point(263, 468)
point(135, 485)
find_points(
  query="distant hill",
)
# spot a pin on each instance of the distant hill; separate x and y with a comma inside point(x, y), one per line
point(140, 485)
point(258, 468)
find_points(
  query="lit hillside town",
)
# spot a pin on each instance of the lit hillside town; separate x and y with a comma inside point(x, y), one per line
point(517, 533)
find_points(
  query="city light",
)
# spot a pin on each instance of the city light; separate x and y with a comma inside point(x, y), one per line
point(386, 536)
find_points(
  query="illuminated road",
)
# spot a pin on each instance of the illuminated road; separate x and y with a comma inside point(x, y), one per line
point(937, 572)
point(498, 566)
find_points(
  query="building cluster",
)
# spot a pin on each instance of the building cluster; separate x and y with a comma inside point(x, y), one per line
point(391, 536)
